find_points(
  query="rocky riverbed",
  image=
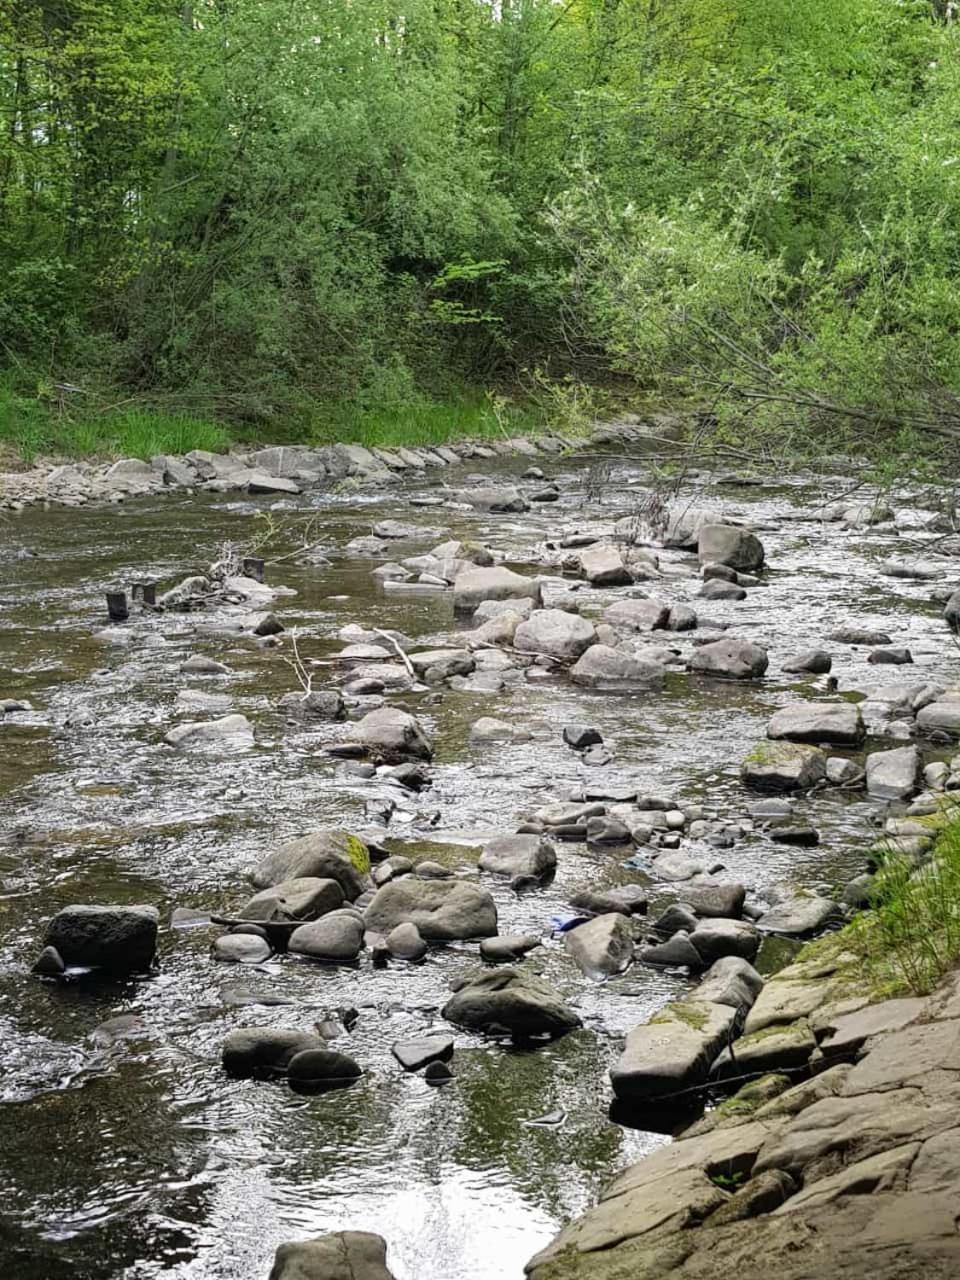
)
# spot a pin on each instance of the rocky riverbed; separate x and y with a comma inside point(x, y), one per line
point(505, 753)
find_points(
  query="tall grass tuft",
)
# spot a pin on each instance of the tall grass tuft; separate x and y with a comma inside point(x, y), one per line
point(911, 935)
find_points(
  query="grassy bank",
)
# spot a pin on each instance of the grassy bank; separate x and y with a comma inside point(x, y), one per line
point(909, 936)
point(50, 423)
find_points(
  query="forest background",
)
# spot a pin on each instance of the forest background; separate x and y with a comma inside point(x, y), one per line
point(327, 219)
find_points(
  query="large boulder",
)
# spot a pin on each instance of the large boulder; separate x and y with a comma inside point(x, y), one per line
point(344, 1255)
point(508, 1000)
point(555, 633)
point(303, 898)
point(727, 544)
point(602, 946)
point(122, 939)
point(893, 775)
point(684, 523)
point(473, 586)
point(673, 1051)
point(524, 855)
point(602, 565)
point(715, 939)
point(328, 854)
point(836, 722)
point(443, 910)
point(783, 766)
point(733, 981)
point(941, 716)
point(336, 938)
point(729, 659)
point(264, 1051)
point(393, 736)
point(601, 667)
point(638, 615)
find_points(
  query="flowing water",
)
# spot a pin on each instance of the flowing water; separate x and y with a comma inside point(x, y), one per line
point(124, 1149)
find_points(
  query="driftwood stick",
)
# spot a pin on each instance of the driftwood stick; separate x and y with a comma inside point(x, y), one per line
point(403, 657)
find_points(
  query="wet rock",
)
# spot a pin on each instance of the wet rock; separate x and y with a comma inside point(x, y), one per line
point(783, 766)
point(121, 939)
point(716, 589)
point(729, 659)
point(803, 837)
point(321, 705)
point(523, 855)
point(49, 963)
point(673, 1051)
point(758, 1196)
point(317, 1070)
point(681, 618)
point(893, 775)
point(405, 943)
point(438, 1073)
point(419, 1052)
point(684, 524)
point(842, 772)
point(261, 482)
point(638, 615)
point(508, 947)
point(890, 657)
point(911, 570)
point(602, 565)
point(581, 736)
point(302, 898)
point(235, 729)
point(241, 948)
point(729, 545)
point(714, 899)
point(440, 664)
point(491, 499)
point(508, 1000)
point(731, 981)
point(864, 514)
point(677, 918)
point(715, 939)
point(603, 946)
point(597, 903)
point(488, 729)
point(816, 661)
point(393, 736)
point(859, 636)
point(487, 610)
point(429, 870)
point(951, 611)
point(201, 666)
point(799, 914)
point(554, 633)
point(443, 910)
point(269, 625)
point(328, 854)
point(601, 667)
point(264, 1051)
point(836, 722)
point(677, 952)
point(941, 716)
point(336, 938)
point(398, 529)
point(477, 586)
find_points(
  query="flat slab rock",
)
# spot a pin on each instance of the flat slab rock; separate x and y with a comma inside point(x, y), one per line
point(673, 1051)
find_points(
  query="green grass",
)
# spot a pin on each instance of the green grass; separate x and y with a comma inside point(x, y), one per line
point(31, 427)
point(910, 936)
point(34, 423)
point(429, 422)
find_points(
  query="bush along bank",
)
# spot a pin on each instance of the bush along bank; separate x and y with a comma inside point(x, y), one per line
point(844, 1120)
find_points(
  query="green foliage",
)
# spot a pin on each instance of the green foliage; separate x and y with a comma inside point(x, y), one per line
point(296, 212)
point(911, 936)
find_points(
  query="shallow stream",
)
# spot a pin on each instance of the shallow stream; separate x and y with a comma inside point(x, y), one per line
point(124, 1150)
